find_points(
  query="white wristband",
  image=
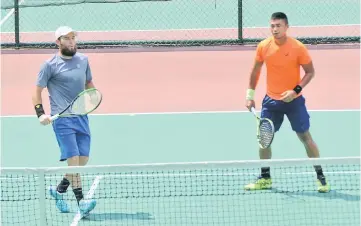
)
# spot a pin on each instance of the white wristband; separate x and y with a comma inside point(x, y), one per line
point(250, 94)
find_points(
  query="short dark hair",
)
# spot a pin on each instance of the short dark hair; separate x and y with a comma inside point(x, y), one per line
point(279, 15)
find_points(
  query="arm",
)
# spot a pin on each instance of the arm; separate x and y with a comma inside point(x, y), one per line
point(89, 85)
point(43, 77)
point(89, 78)
point(255, 73)
point(309, 74)
point(38, 105)
point(306, 62)
point(36, 98)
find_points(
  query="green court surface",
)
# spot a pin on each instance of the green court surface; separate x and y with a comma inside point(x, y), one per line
point(188, 197)
point(158, 199)
point(183, 14)
point(147, 138)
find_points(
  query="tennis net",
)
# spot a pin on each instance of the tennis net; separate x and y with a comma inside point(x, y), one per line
point(197, 193)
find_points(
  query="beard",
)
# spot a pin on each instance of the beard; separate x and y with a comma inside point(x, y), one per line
point(68, 52)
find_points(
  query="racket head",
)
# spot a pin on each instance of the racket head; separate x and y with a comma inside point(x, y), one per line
point(265, 133)
point(86, 102)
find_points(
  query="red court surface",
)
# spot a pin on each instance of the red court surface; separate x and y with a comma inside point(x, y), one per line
point(178, 81)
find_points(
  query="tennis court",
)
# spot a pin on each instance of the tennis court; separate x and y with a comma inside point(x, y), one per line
point(184, 106)
point(179, 137)
point(188, 197)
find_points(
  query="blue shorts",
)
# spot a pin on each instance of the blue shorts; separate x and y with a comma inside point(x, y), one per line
point(295, 111)
point(73, 136)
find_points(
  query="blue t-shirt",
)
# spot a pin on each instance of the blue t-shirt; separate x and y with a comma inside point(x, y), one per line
point(64, 79)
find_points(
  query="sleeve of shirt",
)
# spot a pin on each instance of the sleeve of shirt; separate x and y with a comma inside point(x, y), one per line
point(44, 75)
point(89, 76)
point(259, 53)
point(304, 56)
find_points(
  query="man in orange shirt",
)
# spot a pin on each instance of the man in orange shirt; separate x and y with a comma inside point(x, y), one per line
point(284, 56)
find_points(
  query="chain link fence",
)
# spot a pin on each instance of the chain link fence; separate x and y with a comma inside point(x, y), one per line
point(107, 23)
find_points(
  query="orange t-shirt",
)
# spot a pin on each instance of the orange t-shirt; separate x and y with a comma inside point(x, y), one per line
point(283, 64)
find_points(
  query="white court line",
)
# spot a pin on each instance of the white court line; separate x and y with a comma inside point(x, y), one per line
point(188, 175)
point(196, 29)
point(9, 14)
point(88, 196)
point(182, 113)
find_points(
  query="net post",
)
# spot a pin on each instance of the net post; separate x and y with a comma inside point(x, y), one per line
point(16, 14)
point(42, 209)
point(240, 20)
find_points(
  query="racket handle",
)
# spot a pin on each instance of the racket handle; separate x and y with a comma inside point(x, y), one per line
point(54, 117)
point(253, 111)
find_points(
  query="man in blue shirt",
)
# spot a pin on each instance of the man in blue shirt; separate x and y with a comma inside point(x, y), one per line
point(65, 75)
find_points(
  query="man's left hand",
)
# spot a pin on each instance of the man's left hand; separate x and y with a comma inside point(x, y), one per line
point(288, 96)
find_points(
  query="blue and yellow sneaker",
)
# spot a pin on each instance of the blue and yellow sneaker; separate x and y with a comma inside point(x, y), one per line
point(59, 201)
point(260, 184)
point(322, 185)
point(85, 206)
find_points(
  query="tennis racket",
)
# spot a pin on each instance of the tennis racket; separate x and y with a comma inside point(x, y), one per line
point(265, 130)
point(83, 104)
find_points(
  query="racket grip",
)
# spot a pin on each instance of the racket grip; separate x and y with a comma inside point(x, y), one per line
point(253, 111)
point(54, 117)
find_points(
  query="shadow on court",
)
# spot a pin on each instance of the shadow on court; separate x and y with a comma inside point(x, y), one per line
point(333, 194)
point(118, 216)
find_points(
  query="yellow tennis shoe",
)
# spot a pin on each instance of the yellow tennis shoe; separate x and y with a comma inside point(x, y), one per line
point(260, 184)
point(322, 185)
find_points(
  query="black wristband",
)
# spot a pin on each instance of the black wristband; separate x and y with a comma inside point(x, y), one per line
point(39, 110)
point(298, 89)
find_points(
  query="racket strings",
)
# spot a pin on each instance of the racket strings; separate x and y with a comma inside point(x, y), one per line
point(266, 131)
point(87, 102)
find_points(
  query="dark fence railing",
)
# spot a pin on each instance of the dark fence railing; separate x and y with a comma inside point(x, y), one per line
point(101, 23)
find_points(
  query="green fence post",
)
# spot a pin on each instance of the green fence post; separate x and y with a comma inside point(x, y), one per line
point(240, 25)
point(16, 14)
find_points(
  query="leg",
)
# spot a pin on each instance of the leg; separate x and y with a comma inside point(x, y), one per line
point(86, 204)
point(300, 123)
point(309, 143)
point(313, 152)
point(83, 140)
point(81, 159)
point(75, 178)
point(78, 160)
point(271, 109)
point(66, 139)
point(70, 153)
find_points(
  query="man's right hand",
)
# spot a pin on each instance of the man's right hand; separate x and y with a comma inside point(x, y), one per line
point(45, 119)
point(250, 104)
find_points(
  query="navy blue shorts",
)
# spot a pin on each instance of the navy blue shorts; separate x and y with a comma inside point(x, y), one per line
point(73, 136)
point(295, 111)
